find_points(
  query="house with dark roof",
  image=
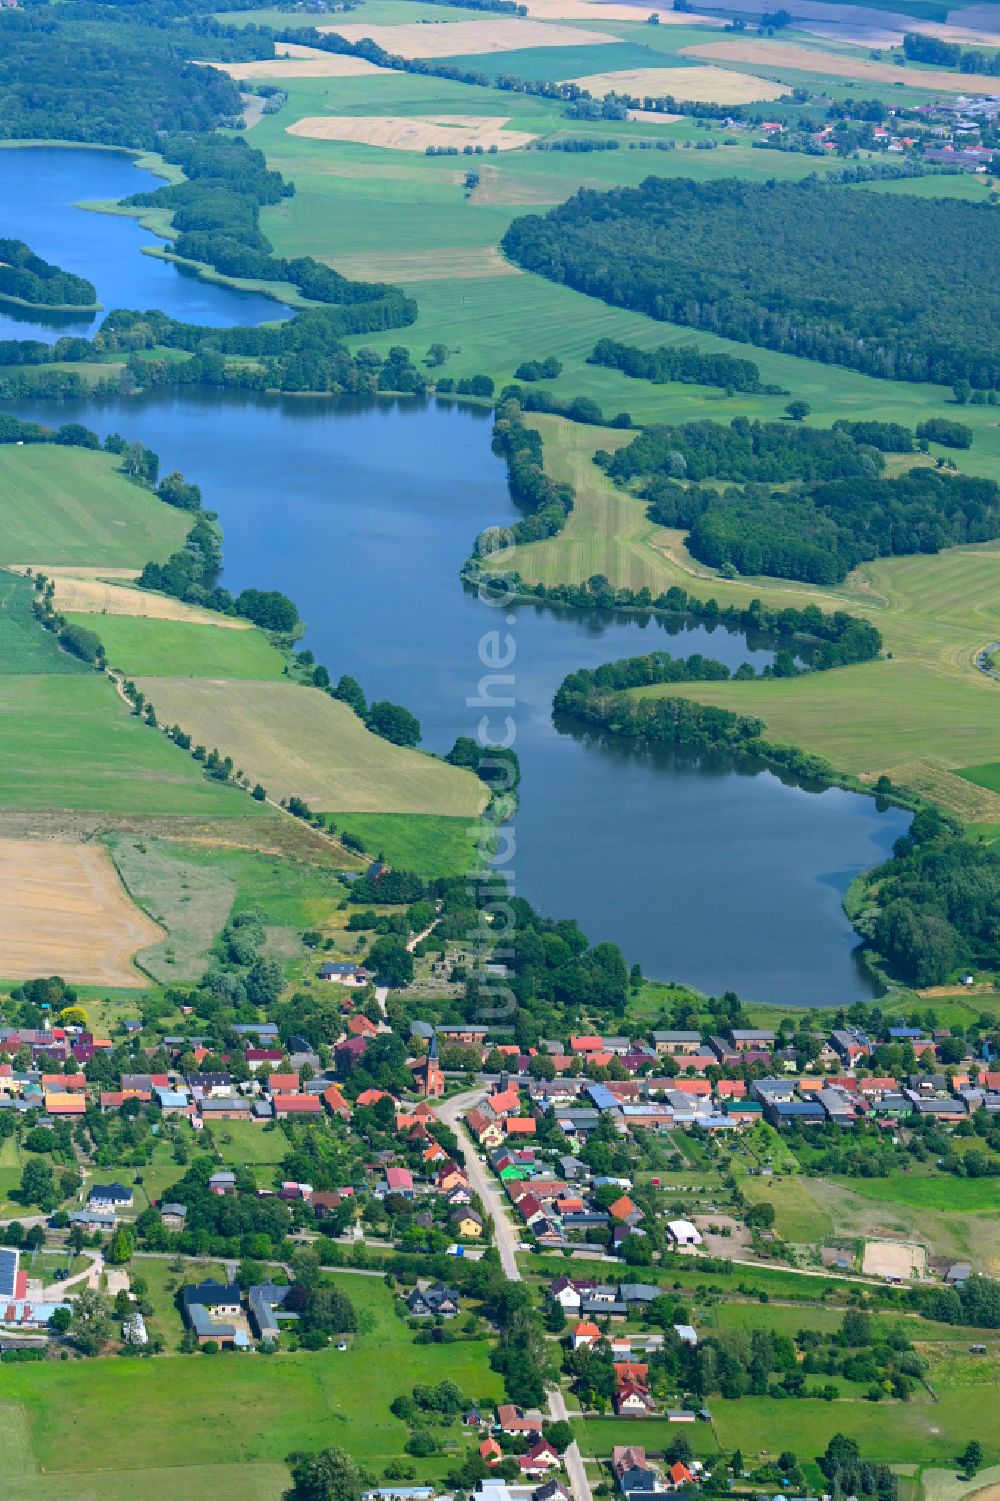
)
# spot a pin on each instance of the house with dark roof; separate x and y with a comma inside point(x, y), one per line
point(109, 1196)
point(432, 1302)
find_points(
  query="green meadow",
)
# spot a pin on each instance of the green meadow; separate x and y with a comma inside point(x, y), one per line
point(427, 844)
point(24, 646)
point(141, 647)
point(69, 743)
point(72, 506)
point(224, 1426)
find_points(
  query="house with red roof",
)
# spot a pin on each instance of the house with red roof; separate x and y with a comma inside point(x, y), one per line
point(399, 1180)
point(335, 1102)
point(585, 1333)
point(283, 1083)
point(286, 1105)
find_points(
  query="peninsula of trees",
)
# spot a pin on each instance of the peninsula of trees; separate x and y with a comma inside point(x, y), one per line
point(26, 277)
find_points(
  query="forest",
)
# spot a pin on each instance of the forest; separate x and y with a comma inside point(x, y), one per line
point(887, 284)
point(772, 452)
point(29, 278)
point(117, 87)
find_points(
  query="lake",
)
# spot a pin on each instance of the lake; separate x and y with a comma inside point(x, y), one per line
point(39, 185)
point(716, 873)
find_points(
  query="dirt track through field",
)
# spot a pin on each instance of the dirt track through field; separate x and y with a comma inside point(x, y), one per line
point(706, 85)
point(469, 38)
point(64, 911)
point(413, 132)
point(767, 54)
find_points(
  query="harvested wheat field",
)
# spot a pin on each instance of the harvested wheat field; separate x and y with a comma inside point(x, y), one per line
point(299, 742)
point(292, 60)
point(94, 591)
point(414, 133)
point(767, 54)
point(463, 264)
point(64, 911)
point(472, 38)
point(704, 85)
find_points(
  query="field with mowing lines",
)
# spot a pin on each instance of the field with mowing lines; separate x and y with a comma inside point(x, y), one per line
point(71, 505)
point(167, 648)
point(70, 743)
point(299, 742)
point(63, 911)
point(110, 591)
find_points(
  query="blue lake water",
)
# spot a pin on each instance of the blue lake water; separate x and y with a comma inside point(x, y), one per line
point(39, 185)
point(705, 870)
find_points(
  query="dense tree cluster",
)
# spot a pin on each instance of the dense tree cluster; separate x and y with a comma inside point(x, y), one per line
point(845, 513)
point(773, 452)
point(118, 86)
point(788, 266)
point(29, 278)
point(303, 353)
point(937, 903)
point(684, 363)
point(549, 503)
point(940, 54)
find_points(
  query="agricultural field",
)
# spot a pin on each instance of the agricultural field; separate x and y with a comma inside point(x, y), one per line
point(709, 85)
point(70, 744)
point(64, 911)
point(167, 648)
point(72, 506)
point(468, 38)
point(767, 53)
point(111, 591)
point(300, 742)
